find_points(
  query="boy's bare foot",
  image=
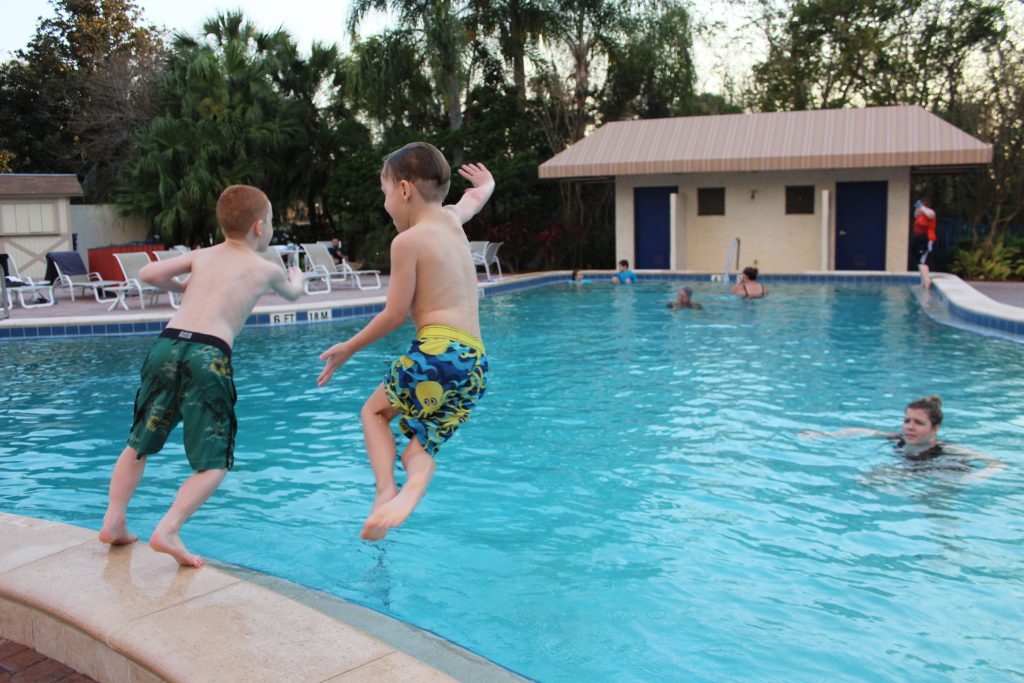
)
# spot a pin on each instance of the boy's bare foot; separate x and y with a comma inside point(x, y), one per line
point(171, 544)
point(390, 514)
point(117, 535)
point(382, 497)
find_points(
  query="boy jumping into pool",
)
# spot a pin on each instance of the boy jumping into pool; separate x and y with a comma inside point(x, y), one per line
point(187, 373)
point(435, 385)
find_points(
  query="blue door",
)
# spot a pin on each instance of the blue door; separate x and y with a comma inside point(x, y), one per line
point(861, 225)
point(651, 226)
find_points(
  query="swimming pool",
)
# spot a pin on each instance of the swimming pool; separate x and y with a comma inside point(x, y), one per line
point(631, 501)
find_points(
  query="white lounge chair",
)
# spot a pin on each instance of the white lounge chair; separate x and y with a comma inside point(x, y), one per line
point(131, 263)
point(310, 276)
point(485, 254)
point(72, 274)
point(41, 290)
point(319, 259)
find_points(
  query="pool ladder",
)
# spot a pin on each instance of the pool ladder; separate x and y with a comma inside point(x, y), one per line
point(730, 260)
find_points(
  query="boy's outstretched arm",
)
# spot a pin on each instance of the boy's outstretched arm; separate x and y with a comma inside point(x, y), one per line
point(162, 274)
point(475, 197)
point(290, 286)
point(401, 287)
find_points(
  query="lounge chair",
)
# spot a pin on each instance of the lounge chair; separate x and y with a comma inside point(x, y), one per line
point(131, 263)
point(71, 272)
point(310, 276)
point(41, 291)
point(319, 259)
point(485, 254)
point(354, 265)
point(173, 297)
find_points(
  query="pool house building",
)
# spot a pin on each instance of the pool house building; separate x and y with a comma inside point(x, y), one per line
point(802, 191)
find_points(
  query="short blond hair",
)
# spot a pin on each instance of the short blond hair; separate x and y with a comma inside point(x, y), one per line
point(239, 207)
point(423, 165)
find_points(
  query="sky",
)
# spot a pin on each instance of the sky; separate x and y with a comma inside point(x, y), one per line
point(306, 20)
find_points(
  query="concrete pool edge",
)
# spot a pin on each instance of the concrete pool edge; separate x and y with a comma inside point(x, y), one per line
point(978, 310)
point(129, 614)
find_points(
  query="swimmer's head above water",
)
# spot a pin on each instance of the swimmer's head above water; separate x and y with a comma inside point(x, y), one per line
point(921, 420)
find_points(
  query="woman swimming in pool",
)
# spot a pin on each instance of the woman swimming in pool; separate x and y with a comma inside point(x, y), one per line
point(918, 441)
point(748, 287)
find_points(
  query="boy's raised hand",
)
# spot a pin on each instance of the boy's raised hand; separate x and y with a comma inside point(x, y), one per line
point(478, 176)
point(475, 197)
point(335, 357)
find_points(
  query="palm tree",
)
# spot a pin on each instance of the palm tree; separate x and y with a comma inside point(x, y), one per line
point(587, 28)
point(518, 25)
point(441, 32)
point(224, 123)
point(312, 153)
point(404, 108)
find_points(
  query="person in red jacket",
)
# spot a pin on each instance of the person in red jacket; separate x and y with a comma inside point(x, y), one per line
point(924, 239)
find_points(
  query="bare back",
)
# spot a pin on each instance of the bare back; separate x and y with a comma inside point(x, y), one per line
point(225, 283)
point(446, 287)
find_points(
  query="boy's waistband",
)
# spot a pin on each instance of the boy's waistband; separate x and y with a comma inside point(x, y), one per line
point(451, 334)
point(198, 338)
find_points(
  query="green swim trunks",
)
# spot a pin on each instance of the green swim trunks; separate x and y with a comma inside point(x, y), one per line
point(187, 375)
point(436, 384)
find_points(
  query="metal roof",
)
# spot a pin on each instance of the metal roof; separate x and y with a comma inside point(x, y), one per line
point(777, 141)
point(39, 185)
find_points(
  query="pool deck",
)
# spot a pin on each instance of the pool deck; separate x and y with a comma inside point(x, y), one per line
point(1009, 293)
point(130, 614)
point(85, 309)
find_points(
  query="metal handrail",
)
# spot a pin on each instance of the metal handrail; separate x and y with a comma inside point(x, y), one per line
point(734, 250)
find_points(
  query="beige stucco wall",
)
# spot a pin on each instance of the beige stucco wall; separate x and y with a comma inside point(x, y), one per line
point(100, 225)
point(755, 211)
point(32, 226)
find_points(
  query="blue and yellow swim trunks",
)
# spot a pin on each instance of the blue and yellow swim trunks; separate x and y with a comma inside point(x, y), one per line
point(187, 376)
point(436, 384)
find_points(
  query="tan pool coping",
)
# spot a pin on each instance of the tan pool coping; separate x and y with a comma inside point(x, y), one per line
point(129, 614)
point(980, 297)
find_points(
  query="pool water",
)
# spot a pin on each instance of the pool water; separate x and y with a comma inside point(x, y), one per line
point(631, 501)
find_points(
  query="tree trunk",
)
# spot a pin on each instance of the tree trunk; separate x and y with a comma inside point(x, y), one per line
point(519, 75)
point(454, 99)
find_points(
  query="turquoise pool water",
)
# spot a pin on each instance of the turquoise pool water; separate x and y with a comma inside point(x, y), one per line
point(631, 501)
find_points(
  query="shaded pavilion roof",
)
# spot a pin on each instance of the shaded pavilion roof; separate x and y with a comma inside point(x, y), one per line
point(777, 141)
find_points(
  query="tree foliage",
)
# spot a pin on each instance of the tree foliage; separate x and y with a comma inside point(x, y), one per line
point(90, 60)
point(825, 54)
point(224, 122)
point(651, 72)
